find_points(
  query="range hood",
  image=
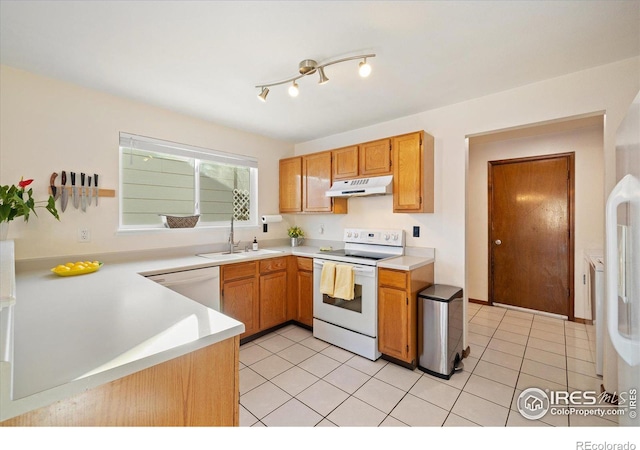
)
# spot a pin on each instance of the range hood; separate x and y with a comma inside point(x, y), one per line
point(361, 187)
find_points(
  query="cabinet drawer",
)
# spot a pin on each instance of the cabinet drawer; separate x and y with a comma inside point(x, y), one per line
point(273, 264)
point(305, 264)
point(239, 270)
point(392, 278)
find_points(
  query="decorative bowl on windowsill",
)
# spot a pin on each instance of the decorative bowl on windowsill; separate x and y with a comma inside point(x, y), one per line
point(180, 221)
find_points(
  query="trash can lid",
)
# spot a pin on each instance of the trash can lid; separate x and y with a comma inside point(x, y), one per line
point(441, 292)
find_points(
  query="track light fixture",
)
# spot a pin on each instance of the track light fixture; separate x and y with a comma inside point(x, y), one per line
point(308, 67)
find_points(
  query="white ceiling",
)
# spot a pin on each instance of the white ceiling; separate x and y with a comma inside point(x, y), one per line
point(203, 58)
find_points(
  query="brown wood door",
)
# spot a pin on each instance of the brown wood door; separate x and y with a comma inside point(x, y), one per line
point(530, 233)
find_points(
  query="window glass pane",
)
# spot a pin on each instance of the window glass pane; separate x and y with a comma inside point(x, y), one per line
point(155, 183)
point(224, 190)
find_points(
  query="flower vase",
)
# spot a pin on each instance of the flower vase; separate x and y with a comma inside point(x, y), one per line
point(296, 241)
point(4, 231)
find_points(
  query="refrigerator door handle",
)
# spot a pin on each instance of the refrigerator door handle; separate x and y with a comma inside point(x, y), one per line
point(627, 190)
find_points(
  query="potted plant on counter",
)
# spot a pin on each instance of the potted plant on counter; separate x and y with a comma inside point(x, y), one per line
point(16, 202)
point(297, 236)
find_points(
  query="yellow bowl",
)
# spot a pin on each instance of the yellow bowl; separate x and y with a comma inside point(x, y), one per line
point(72, 272)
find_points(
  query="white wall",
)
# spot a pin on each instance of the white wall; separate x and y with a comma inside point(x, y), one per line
point(609, 88)
point(48, 126)
point(589, 199)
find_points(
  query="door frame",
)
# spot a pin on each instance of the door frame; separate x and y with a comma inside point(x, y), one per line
point(570, 156)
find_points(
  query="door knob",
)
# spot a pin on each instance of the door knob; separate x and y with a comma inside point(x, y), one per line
point(498, 242)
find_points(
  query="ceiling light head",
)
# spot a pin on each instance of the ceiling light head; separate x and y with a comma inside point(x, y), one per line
point(263, 95)
point(293, 90)
point(323, 77)
point(364, 69)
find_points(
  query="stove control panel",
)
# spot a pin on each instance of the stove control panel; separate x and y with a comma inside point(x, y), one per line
point(374, 236)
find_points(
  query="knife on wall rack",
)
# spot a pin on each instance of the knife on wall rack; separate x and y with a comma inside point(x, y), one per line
point(64, 193)
point(83, 197)
point(74, 191)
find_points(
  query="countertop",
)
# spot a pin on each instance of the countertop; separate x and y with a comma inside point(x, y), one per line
point(70, 334)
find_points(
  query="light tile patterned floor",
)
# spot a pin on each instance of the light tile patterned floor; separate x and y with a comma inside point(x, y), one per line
point(289, 378)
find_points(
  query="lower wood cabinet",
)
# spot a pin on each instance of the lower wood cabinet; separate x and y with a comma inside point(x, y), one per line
point(200, 388)
point(397, 311)
point(240, 295)
point(304, 291)
point(273, 292)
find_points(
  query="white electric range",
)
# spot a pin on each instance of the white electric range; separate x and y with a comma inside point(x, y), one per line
point(353, 324)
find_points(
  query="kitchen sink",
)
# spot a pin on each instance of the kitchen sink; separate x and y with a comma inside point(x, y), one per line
point(222, 256)
point(263, 251)
point(226, 256)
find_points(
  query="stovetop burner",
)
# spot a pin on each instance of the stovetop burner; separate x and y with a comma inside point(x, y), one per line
point(367, 246)
point(358, 254)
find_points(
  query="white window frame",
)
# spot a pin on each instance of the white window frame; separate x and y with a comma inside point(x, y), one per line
point(200, 154)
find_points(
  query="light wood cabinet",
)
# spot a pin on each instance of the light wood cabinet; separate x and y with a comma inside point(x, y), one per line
point(316, 176)
point(240, 295)
point(273, 292)
point(375, 158)
point(304, 291)
point(200, 388)
point(364, 160)
point(397, 312)
point(345, 163)
point(413, 173)
point(290, 185)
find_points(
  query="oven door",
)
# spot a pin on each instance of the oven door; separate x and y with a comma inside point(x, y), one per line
point(359, 314)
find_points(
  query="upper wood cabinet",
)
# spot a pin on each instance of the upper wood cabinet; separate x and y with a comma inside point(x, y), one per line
point(316, 181)
point(364, 160)
point(304, 180)
point(291, 185)
point(375, 158)
point(345, 163)
point(413, 173)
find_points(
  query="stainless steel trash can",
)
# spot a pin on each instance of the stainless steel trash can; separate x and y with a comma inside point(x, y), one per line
point(440, 331)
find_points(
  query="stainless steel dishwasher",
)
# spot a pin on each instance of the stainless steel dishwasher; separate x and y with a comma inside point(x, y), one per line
point(200, 285)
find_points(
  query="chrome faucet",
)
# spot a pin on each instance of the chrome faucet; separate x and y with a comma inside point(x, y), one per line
point(232, 244)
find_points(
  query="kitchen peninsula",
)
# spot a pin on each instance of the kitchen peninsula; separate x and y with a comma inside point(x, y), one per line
point(114, 348)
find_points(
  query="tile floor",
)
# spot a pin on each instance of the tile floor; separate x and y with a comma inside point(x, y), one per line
point(290, 378)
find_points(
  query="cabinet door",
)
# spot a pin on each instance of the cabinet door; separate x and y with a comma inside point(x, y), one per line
point(316, 169)
point(305, 298)
point(345, 163)
point(240, 301)
point(407, 173)
point(273, 299)
point(375, 158)
point(393, 339)
point(291, 185)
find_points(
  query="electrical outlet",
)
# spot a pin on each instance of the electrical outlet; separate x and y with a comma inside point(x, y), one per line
point(416, 231)
point(84, 235)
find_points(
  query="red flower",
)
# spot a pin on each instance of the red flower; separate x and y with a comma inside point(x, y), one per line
point(24, 183)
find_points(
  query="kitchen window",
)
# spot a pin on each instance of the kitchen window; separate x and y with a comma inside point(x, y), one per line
point(160, 177)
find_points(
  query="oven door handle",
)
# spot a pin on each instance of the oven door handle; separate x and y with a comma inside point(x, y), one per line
point(365, 270)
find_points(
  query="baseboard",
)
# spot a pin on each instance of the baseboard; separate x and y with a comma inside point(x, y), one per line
point(479, 302)
point(584, 321)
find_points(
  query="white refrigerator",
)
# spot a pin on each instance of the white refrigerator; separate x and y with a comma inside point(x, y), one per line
point(622, 267)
